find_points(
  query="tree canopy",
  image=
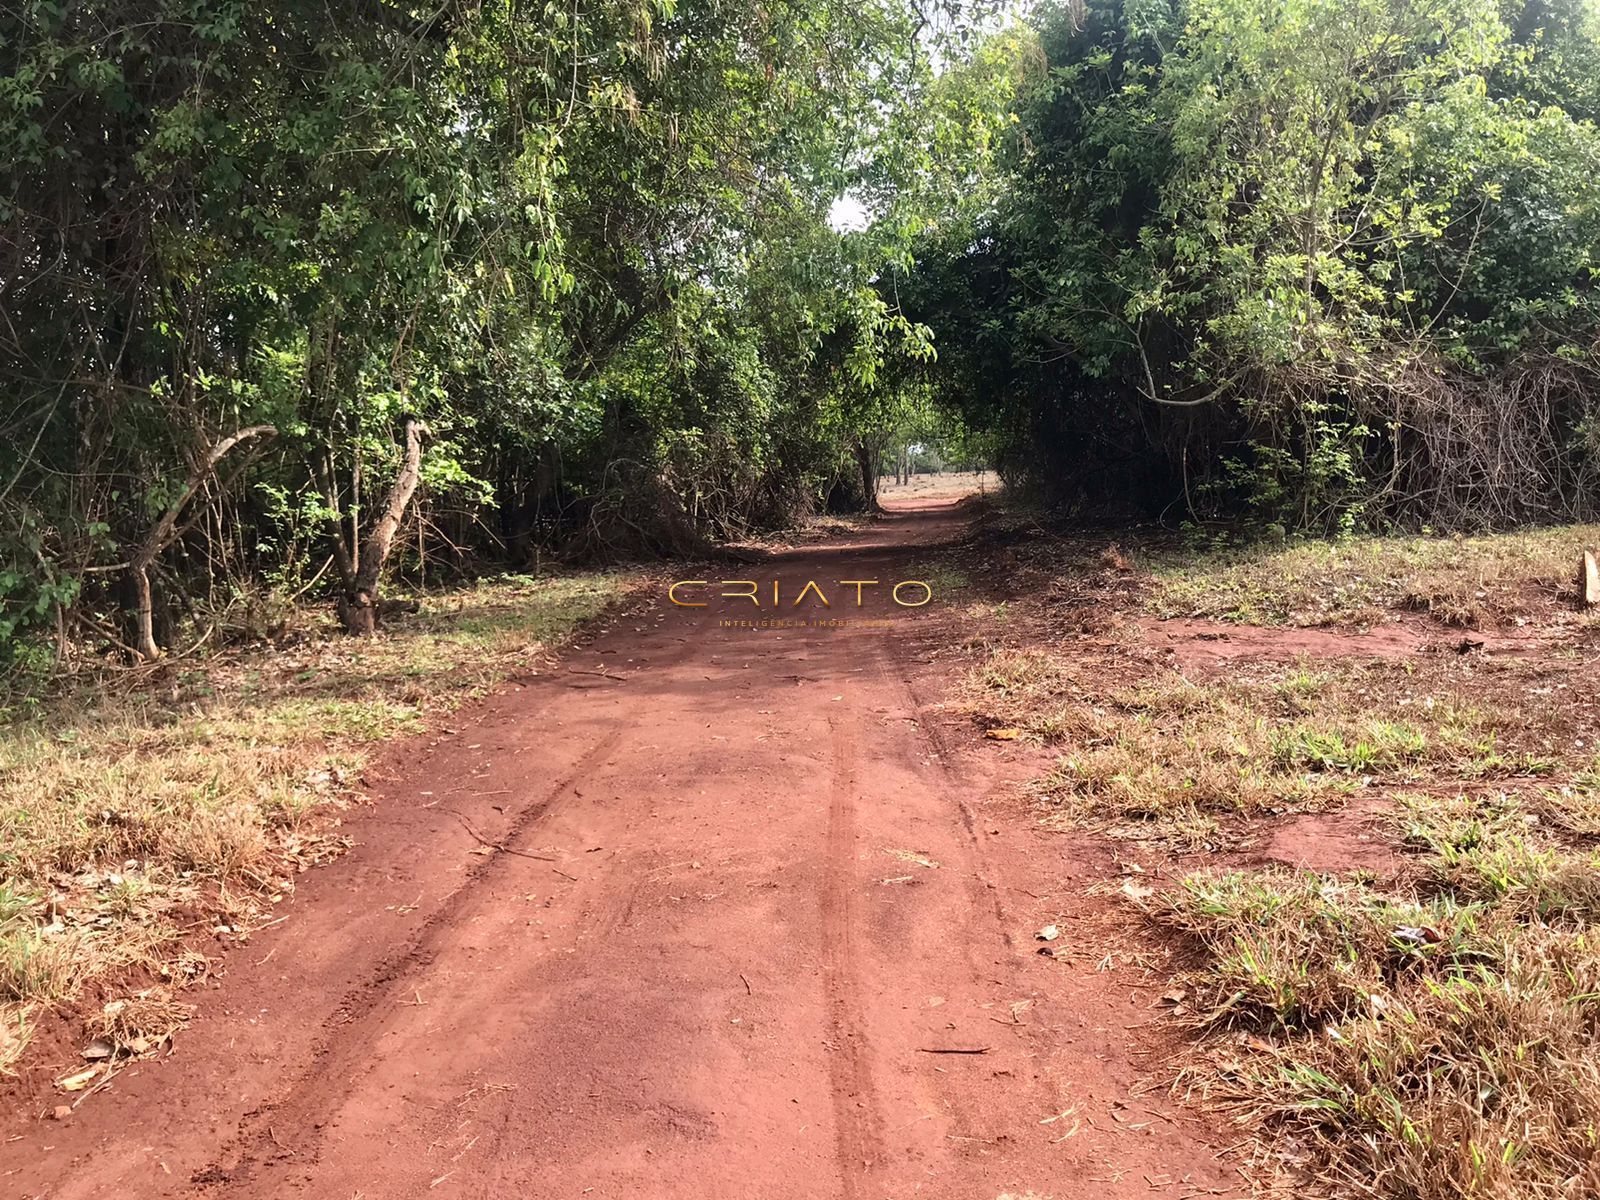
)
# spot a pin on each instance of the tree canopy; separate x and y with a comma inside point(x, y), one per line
point(1326, 263)
point(297, 297)
point(562, 271)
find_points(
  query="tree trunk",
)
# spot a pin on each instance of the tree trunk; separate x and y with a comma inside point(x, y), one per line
point(868, 461)
point(359, 604)
point(144, 615)
point(161, 535)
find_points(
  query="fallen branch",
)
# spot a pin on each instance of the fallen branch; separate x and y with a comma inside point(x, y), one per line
point(500, 846)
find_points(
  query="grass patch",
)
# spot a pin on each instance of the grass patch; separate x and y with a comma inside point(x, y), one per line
point(127, 815)
point(1430, 1039)
point(1171, 759)
point(1458, 581)
point(947, 580)
point(1425, 1034)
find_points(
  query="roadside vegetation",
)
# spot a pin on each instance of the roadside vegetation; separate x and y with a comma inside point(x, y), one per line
point(1432, 1036)
point(317, 304)
point(1420, 1024)
point(1191, 762)
point(1328, 265)
point(1464, 581)
point(651, 276)
point(143, 818)
point(1150, 753)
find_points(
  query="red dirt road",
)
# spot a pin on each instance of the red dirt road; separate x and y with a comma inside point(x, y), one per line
point(706, 912)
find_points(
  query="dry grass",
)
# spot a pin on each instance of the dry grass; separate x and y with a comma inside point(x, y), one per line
point(1428, 1033)
point(129, 818)
point(1458, 581)
point(1189, 762)
point(1435, 1038)
point(136, 1024)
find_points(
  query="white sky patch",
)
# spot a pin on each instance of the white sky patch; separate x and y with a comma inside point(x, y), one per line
point(848, 215)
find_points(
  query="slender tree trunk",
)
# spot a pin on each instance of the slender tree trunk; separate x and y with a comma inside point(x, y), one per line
point(868, 460)
point(161, 534)
point(144, 615)
point(359, 603)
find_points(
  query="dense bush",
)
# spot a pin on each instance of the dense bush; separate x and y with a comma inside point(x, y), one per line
point(293, 292)
point(1325, 261)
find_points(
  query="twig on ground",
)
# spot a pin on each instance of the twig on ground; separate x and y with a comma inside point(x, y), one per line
point(500, 846)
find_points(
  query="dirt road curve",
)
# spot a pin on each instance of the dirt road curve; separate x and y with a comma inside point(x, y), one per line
point(709, 912)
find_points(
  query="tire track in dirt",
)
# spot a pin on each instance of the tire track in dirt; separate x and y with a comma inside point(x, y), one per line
point(795, 962)
point(351, 1033)
point(857, 1132)
point(1088, 1072)
point(896, 676)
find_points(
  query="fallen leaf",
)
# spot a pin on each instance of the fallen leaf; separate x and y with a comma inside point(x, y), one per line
point(78, 1081)
point(1136, 891)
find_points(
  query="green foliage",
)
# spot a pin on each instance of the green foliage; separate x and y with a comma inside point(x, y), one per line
point(587, 247)
point(1329, 262)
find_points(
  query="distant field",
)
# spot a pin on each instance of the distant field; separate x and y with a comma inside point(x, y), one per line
point(950, 484)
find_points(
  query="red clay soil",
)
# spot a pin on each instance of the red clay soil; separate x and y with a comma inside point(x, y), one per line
point(1350, 839)
point(708, 912)
point(1205, 643)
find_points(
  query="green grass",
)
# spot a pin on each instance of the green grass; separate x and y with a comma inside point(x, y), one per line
point(126, 812)
point(1457, 581)
point(945, 578)
point(1373, 745)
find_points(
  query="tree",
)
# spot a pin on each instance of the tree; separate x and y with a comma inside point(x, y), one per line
point(584, 248)
point(1281, 256)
